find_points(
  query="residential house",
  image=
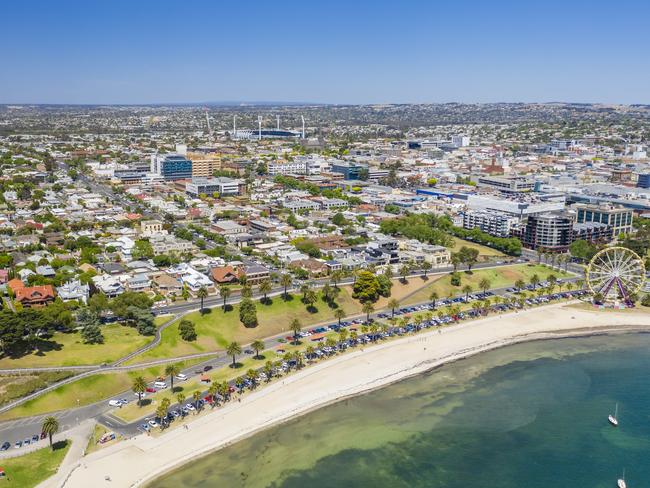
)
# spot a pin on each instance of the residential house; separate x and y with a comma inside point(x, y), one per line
point(313, 267)
point(138, 282)
point(167, 285)
point(108, 285)
point(224, 275)
point(35, 296)
point(74, 290)
point(255, 273)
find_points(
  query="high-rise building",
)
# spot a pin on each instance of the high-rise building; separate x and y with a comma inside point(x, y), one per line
point(643, 181)
point(171, 166)
point(551, 232)
point(204, 164)
point(618, 218)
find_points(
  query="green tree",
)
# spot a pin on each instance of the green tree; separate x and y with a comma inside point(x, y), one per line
point(202, 293)
point(534, 280)
point(295, 327)
point(367, 308)
point(520, 284)
point(139, 386)
point(257, 347)
point(366, 287)
point(393, 304)
point(265, 289)
point(50, 427)
point(187, 330)
point(310, 298)
point(172, 370)
point(225, 293)
point(467, 289)
point(426, 266)
point(285, 281)
point(339, 314)
point(404, 271)
point(433, 297)
point(248, 313)
point(233, 350)
point(91, 332)
point(484, 284)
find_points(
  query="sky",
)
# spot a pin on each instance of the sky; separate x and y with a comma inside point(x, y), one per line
point(346, 52)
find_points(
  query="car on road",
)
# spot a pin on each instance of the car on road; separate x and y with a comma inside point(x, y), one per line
point(115, 403)
point(190, 407)
point(153, 423)
point(18, 444)
point(160, 385)
point(150, 390)
point(35, 438)
point(181, 377)
point(27, 441)
point(5, 446)
point(207, 368)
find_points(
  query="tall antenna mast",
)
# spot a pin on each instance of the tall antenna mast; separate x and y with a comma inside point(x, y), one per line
point(303, 126)
point(278, 121)
point(234, 126)
point(259, 123)
point(207, 118)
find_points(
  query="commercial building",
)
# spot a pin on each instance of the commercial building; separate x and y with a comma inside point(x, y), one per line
point(618, 218)
point(223, 186)
point(518, 207)
point(349, 170)
point(508, 184)
point(592, 231)
point(172, 166)
point(494, 223)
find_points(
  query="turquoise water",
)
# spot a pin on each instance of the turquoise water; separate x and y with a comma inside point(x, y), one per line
point(530, 415)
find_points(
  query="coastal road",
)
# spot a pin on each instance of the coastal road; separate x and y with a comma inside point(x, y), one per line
point(20, 429)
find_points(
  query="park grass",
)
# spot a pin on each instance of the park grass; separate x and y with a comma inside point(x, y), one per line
point(216, 329)
point(31, 469)
point(68, 349)
point(15, 386)
point(87, 390)
point(499, 277)
point(485, 253)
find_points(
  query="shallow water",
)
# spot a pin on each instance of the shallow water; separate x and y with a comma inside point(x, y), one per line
point(530, 415)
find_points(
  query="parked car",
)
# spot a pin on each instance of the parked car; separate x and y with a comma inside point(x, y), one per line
point(150, 390)
point(5, 446)
point(115, 403)
point(181, 377)
point(161, 385)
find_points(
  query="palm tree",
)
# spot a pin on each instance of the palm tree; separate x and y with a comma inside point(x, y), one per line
point(139, 387)
point(304, 288)
point(196, 396)
point(295, 327)
point(343, 335)
point(339, 314)
point(534, 280)
point(520, 284)
point(268, 369)
point(50, 427)
point(212, 392)
point(393, 304)
point(246, 291)
point(426, 266)
point(484, 284)
point(232, 350)
point(354, 336)
point(367, 308)
point(467, 289)
point(202, 293)
point(225, 293)
point(257, 347)
point(404, 271)
point(309, 352)
point(172, 370)
point(285, 281)
point(417, 321)
point(433, 297)
point(330, 342)
point(569, 286)
point(337, 276)
point(265, 289)
point(552, 279)
point(180, 398)
point(251, 374)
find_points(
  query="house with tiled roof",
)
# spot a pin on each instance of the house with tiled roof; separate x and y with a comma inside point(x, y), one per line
point(224, 274)
point(35, 296)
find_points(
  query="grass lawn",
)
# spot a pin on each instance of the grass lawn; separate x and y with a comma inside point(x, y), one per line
point(215, 330)
point(16, 386)
point(485, 252)
point(31, 469)
point(68, 349)
point(498, 277)
point(85, 391)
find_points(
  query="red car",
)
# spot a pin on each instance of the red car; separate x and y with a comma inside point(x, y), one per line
point(151, 390)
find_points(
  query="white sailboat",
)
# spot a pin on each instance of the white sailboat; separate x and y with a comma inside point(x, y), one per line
point(613, 419)
point(621, 481)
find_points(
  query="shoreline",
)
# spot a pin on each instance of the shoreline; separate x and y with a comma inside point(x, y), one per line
point(141, 460)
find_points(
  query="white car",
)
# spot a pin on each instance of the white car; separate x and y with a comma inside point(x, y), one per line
point(115, 403)
point(181, 377)
point(153, 423)
point(160, 385)
point(190, 407)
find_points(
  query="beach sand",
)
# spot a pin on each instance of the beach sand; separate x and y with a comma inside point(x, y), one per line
point(136, 461)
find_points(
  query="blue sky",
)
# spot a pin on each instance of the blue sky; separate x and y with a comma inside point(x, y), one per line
point(142, 51)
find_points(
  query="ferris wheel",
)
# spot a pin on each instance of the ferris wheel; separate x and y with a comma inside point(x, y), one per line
point(616, 273)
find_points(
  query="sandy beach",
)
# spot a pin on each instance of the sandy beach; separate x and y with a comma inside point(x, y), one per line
point(139, 460)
